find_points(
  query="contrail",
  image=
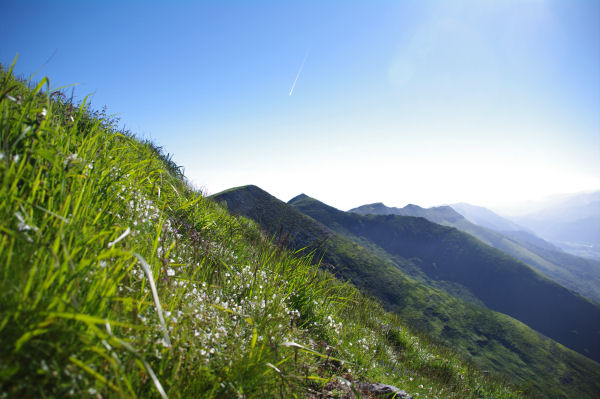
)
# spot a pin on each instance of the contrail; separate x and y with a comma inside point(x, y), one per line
point(299, 70)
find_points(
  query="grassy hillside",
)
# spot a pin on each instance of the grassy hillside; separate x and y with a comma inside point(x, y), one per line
point(501, 282)
point(492, 340)
point(577, 274)
point(118, 280)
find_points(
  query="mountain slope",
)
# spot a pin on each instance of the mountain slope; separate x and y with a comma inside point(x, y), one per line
point(578, 274)
point(490, 339)
point(500, 281)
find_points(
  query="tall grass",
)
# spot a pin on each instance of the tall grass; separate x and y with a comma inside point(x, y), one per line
point(118, 280)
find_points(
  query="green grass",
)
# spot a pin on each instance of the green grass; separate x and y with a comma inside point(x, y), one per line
point(119, 280)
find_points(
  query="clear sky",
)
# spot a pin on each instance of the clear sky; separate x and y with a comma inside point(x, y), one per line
point(425, 102)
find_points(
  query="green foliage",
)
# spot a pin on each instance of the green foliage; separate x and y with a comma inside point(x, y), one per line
point(118, 280)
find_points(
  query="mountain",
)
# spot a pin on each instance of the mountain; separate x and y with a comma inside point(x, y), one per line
point(581, 275)
point(501, 282)
point(490, 339)
point(486, 218)
point(572, 222)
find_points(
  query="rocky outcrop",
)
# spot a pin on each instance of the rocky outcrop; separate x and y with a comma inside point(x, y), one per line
point(383, 390)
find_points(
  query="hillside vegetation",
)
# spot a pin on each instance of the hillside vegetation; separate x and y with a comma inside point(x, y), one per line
point(119, 280)
point(492, 340)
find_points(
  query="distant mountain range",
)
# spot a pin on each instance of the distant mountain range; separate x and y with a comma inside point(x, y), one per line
point(578, 274)
point(572, 222)
point(420, 270)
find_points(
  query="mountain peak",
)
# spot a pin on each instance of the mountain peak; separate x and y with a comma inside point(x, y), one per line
point(376, 208)
point(245, 197)
point(298, 198)
point(247, 188)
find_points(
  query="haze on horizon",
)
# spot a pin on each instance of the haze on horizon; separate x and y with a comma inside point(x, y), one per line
point(425, 102)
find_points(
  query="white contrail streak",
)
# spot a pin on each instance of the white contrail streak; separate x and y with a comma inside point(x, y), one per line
point(299, 71)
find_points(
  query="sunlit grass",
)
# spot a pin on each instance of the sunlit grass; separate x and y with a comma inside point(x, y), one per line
point(119, 280)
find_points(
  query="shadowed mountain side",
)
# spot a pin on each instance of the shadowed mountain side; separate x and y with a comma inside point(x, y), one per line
point(491, 340)
point(501, 282)
point(581, 275)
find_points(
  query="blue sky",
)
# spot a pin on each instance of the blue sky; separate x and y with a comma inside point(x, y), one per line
point(427, 102)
